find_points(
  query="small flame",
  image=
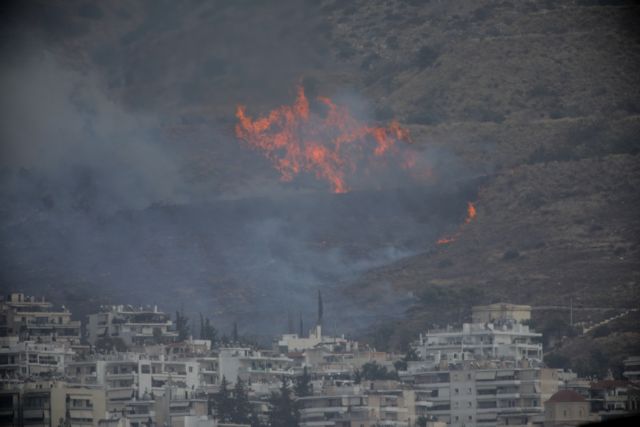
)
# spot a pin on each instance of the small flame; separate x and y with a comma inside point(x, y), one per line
point(330, 147)
point(471, 214)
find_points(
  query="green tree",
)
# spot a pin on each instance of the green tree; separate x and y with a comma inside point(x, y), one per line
point(372, 371)
point(182, 325)
point(223, 403)
point(241, 407)
point(207, 331)
point(303, 385)
point(283, 411)
point(421, 421)
point(357, 376)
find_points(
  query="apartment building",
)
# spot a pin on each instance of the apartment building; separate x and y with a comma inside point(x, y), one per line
point(505, 339)
point(30, 359)
point(391, 403)
point(133, 325)
point(132, 375)
point(26, 404)
point(46, 404)
point(35, 319)
point(335, 409)
point(253, 365)
point(483, 397)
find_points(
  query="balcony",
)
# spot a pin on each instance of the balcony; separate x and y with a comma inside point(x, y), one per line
point(510, 395)
point(34, 414)
point(83, 413)
point(120, 393)
point(324, 410)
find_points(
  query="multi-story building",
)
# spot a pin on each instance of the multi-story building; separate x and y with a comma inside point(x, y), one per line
point(253, 366)
point(35, 319)
point(338, 408)
point(632, 369)
point(505, 339)
point(390, 403)
point(132, 375)
point(483, 397)
point(78, 405)
point(133, 325)
point(609, 398)
point(29, 359)
point(26, 404)
point(52, 403)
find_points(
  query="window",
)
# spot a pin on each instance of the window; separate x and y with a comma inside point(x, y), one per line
point(190, 368)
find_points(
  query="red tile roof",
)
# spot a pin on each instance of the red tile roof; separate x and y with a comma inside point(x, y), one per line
point(566, 396)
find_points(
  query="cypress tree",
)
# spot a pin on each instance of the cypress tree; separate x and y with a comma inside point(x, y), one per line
point(241, 405)
point(223, 403)
point(283, 411)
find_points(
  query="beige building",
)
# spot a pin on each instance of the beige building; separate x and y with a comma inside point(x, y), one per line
point(500, 311)
point(36, 319)
point(481, 397)
point(46, 404)
point(567, 408)
point(81, 406)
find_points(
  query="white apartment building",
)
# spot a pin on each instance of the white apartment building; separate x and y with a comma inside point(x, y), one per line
point(506, 339)
point(35, 319)
point(131, 375)
point(134, 325)
point(253, 366)
point(30, 359)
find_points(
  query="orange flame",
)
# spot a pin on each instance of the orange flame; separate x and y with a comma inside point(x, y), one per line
point(295, 140)
point(471, 214)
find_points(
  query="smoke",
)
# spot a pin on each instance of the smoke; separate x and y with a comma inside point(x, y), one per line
point(60, 127)
point(99, 205)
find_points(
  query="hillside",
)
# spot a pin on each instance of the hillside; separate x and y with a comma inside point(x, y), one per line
point(536, 103)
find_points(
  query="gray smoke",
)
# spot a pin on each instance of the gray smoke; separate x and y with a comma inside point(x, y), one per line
point(99, 205)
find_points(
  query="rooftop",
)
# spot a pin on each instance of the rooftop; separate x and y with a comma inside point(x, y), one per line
point(566, 396)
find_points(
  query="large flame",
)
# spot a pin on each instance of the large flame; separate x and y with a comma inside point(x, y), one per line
point(331, 145)
point(471, 214)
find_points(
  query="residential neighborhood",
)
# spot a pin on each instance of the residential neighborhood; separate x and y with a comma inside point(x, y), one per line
point(134, 366)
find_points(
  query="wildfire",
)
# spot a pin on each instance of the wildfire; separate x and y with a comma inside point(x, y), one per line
point(471, 214)
point(331, 146)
